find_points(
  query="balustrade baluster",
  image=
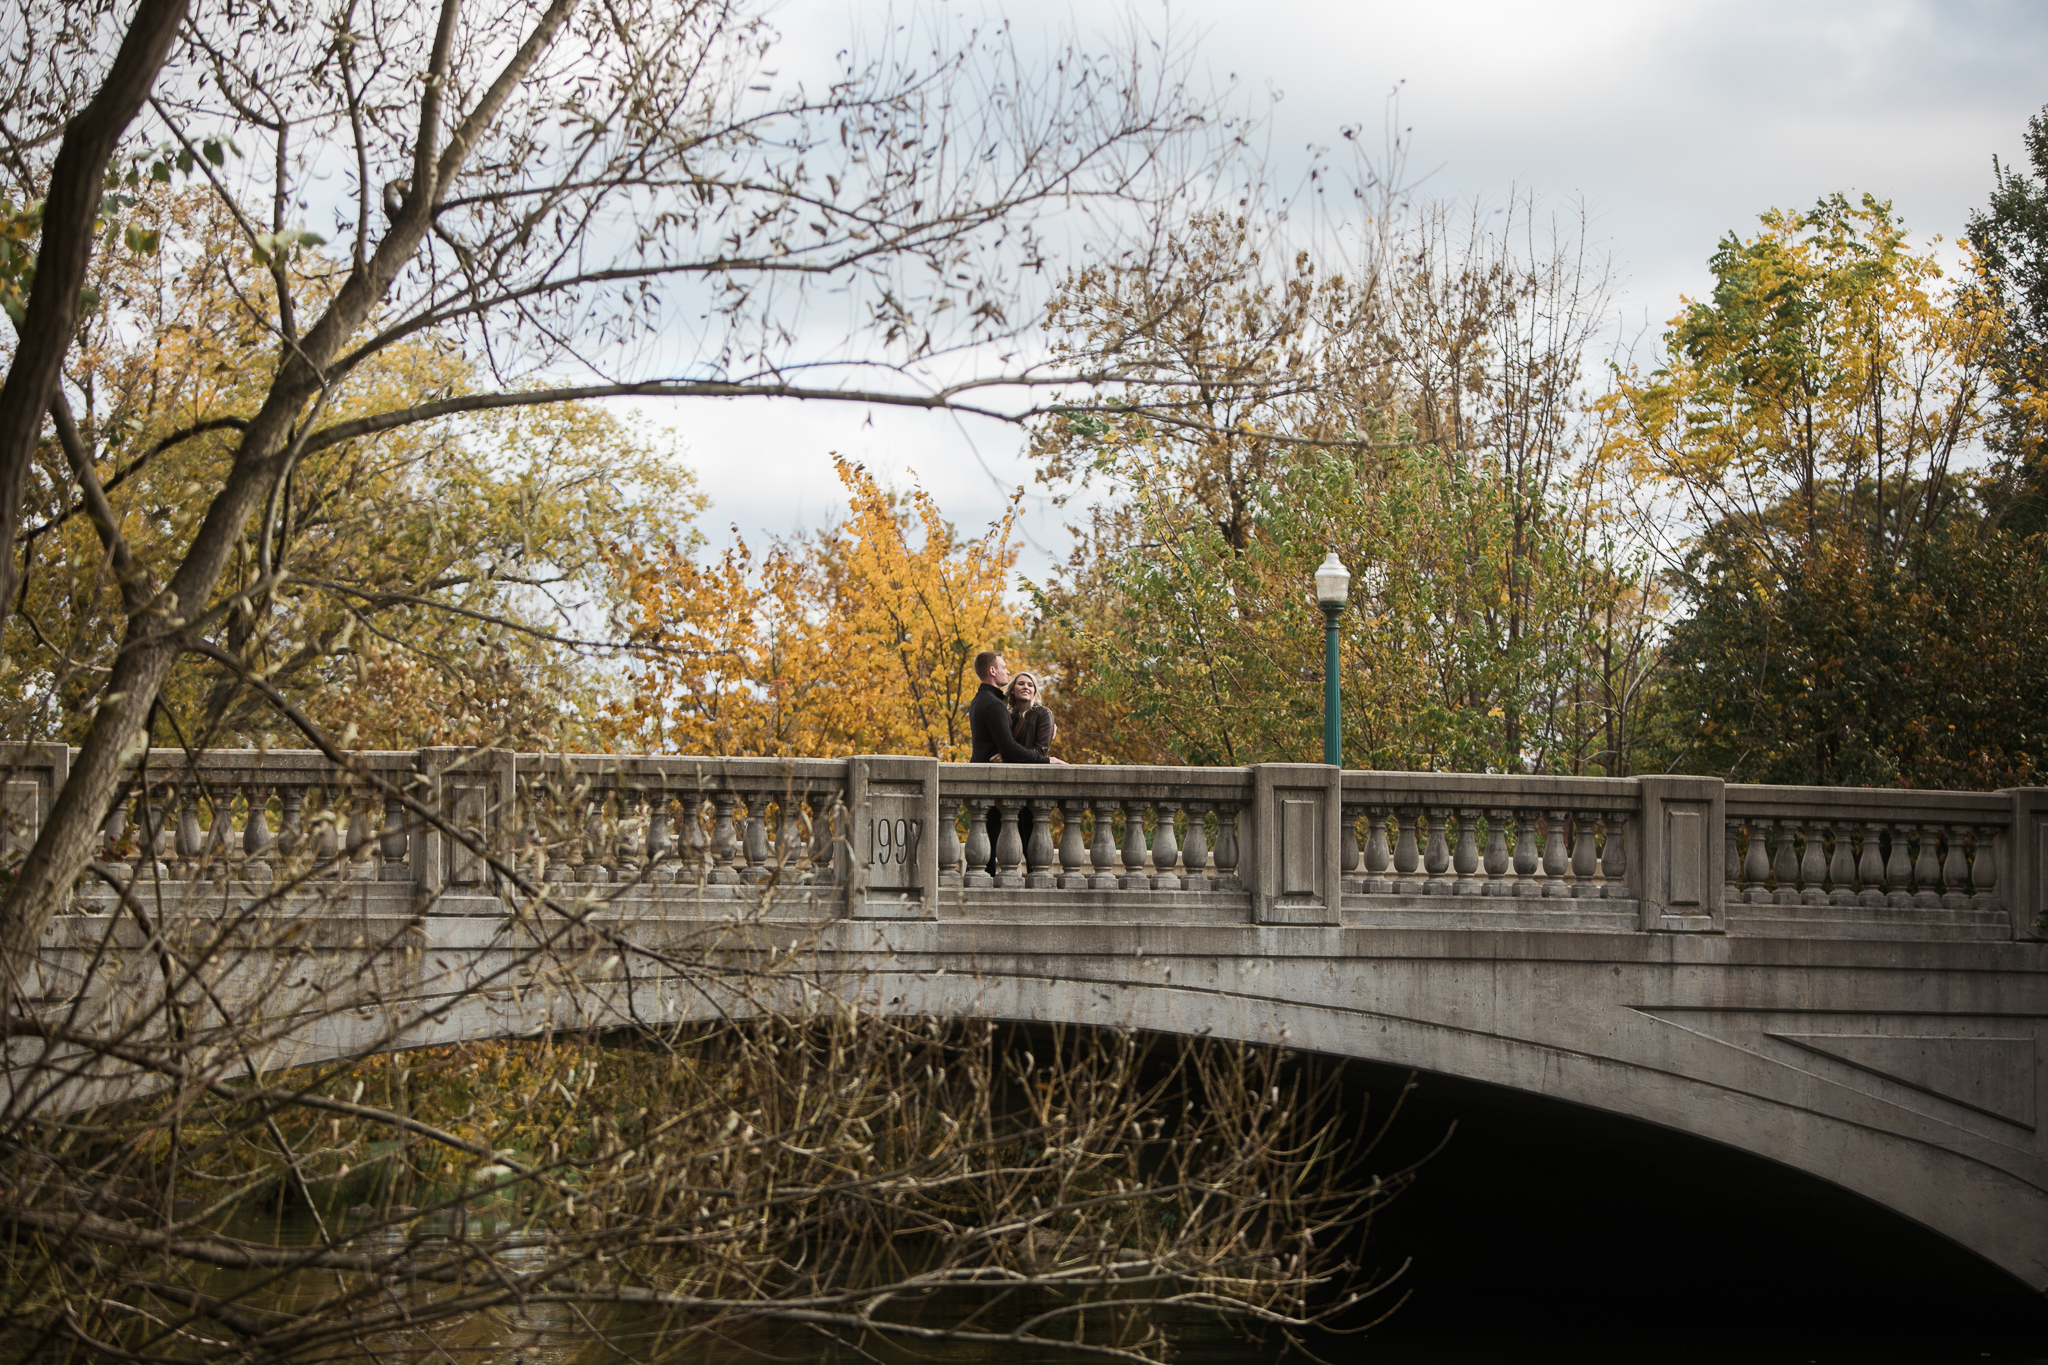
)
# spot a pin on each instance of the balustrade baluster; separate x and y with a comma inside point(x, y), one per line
point(1073, 848)
point(1898, 868)
point(1614, 856)
point(149, 858)
point(1927, 867)
point(949, 840)
point(1436, 854)
point(1348, 850)
point(1009, 846)
point(256, 837)
point(1984, 867)
point(1841, 865)
point(328, 835)
point(1497, 860)
point(628, 836)
point(220, 825)
point(757, 869)
point(724, 839)
point(1585, 860)
point(1955, 870)
point(1226, 848)
point(662, 866)
point(1527, 859)
point(362, 841)
point(662, 854)
point(596, 860)
point(980, 856)
point(1870, 865)
point(562, 832)
point(1379, 857)
point(1466, 860)
point(1785, 864)
point(789, 839)
point(1756, 865)
point(113, 854)
point(1038, 852)
point(1102, 852)
point(1813, 865)
point(1556, 854)
point(775, 858)
point(693, 845)
point(1195, 855)
point(191, 842)
point(1165, 850)
point(291, 833)
point(1407, 856)
point(1134, 878)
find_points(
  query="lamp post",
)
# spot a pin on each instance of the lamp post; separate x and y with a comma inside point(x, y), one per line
point(1333, 585)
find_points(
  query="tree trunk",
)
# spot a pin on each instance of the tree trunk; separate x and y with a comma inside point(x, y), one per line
point(70, 208)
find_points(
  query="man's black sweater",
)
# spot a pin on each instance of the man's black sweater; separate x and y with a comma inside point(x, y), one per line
point(988, 717)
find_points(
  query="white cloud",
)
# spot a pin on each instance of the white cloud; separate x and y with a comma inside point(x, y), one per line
point(1674, 123)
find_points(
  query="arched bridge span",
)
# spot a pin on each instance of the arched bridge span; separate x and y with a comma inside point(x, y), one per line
point(1842, 982)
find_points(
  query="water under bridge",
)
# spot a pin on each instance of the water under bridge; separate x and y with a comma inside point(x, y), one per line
point(1848, 982)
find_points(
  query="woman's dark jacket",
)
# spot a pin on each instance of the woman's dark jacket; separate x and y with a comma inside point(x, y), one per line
point(988, 719)
point(1034, 730)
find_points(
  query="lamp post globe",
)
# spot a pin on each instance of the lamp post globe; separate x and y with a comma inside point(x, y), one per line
point(1333, 586)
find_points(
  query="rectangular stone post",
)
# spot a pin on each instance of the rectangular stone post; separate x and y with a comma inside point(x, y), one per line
point(31, 775)
point(892, 869)
point(2023, 863)
point(1675, 870)
point(1295, 847)
point(476, 794)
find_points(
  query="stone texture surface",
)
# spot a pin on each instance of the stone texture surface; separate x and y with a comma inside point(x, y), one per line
point(1907, 1071)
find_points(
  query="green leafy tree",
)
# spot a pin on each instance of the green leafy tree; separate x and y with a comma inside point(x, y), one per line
point(1422, 415)
point(2011, 241)
point(1927, 667)
point(1851, 610)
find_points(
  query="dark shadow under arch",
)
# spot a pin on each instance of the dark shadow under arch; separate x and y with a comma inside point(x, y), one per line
point(1546, 1230)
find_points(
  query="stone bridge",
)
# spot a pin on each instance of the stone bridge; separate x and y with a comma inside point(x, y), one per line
point(1847, 982)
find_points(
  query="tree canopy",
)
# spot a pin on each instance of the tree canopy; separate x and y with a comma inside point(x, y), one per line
point(1851, 610)
point(1423, 416)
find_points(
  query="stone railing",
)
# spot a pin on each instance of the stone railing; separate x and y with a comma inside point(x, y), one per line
point(883, 837)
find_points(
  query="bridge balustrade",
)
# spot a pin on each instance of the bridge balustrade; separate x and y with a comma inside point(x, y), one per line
point(878, 836)
point(1825, 978)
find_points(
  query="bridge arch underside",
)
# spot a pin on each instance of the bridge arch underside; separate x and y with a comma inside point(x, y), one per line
point(1907, 1074)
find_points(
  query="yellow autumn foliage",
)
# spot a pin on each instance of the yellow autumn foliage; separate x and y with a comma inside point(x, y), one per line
point(858, 639)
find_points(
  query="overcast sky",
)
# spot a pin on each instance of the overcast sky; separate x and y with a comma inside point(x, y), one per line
point(1674, 123)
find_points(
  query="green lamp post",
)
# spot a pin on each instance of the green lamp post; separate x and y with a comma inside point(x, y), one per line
point(1333, 585)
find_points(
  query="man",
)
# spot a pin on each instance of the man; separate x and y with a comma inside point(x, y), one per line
point(988, 716)
point(988, 722)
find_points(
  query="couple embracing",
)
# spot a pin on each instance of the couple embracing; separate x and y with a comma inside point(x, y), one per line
point(1008, 726)
point(1006, 720)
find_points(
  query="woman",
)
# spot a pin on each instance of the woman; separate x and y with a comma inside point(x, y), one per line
point(1031, 724)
